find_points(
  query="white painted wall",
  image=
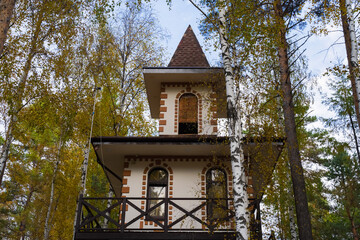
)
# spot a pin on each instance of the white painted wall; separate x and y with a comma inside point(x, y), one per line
point(187, 176)
point(169, 116)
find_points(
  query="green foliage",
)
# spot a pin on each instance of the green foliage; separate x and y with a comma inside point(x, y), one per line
point(57, 53)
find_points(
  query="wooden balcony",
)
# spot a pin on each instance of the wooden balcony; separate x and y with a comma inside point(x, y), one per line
point(127, 219)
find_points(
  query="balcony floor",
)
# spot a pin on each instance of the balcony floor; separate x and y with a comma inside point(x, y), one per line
point(155, 235)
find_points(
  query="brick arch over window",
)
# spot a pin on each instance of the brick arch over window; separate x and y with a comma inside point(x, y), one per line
point(229, 189)
point(149, 168)
point(177, 119)
point(212, 166)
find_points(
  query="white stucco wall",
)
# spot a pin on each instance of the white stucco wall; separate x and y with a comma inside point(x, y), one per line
point(186, 180)
point(206, 109)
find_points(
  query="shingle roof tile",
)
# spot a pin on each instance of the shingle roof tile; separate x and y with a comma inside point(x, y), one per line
point(189, 52)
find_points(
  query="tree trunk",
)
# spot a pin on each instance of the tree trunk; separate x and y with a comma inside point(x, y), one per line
point(6, 11)
point(85, 163)
point(17, 105)
point(5, 151)
point(291, 209)
point(22, 226)
point(355, 136)
point(352, 222)
point(47, 228)
point(348, 25)
point(293, 232)
point(241, 201)
point(108, 205)
point(297, 176)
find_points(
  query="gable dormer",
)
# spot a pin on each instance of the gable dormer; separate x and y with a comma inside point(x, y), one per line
point(188, 95)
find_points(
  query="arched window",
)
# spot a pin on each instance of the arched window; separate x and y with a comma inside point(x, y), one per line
point(216, 194)
point(157, 188)
point(188, 114)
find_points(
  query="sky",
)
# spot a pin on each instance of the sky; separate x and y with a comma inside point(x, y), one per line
point(320, 50)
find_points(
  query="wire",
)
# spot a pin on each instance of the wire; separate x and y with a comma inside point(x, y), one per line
point(85, 164)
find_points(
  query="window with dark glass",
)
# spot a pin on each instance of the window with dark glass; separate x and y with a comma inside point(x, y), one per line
point(157, 188)
point(188, 114)
point(216, 194)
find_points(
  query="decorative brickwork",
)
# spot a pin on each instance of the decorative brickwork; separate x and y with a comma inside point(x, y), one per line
point(163, 109)
point(165, 162)
point(203, 184)
point(181, 84)
point(154, 162)
point(213, 110)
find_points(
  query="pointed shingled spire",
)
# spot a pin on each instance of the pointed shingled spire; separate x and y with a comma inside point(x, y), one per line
point(189, 52)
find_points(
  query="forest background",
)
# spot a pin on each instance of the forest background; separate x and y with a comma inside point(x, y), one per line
point(58, 52)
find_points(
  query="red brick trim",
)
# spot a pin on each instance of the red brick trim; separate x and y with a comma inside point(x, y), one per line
point(163, 109)
point(165, 162)
point(181, 84)
point(125, 190)
point(215, 129)
point(218, 163)
point(156, 162)
point(127, 173)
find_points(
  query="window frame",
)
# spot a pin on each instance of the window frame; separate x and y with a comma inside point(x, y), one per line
point(210, 204)
point(181, 125)
point(157, 184)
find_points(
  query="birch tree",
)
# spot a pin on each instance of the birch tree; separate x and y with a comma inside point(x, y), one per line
point(241, 202)
point(46, 20)
point(268, 22)
point(6, 12)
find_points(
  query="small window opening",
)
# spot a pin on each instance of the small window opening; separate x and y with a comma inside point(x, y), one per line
point(216, 194)
point(188, 114)
point(157, 188)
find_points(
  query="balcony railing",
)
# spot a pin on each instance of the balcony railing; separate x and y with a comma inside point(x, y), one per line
point(130, 218)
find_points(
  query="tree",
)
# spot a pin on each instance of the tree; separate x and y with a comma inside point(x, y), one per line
point(341, 12)
point(264, 26)
point(73, 54)
point(268, 20)
point(6, 11)
point(26, 52)
point(241, 202)
point(122, 50)
point(344, 171)
point(341, 102)
point(351, 46)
